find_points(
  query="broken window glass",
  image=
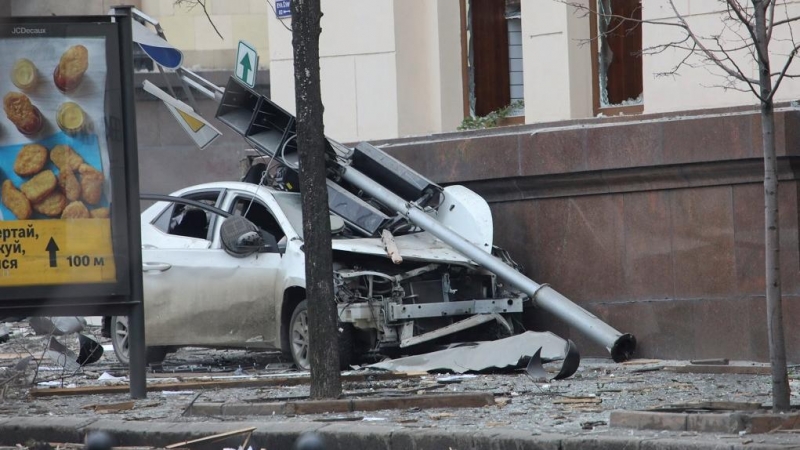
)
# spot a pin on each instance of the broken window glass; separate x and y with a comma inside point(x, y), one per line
point(619, 48)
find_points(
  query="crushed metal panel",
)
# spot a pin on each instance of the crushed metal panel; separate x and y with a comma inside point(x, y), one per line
point(449, 329)
point(500, 354)
point(417, 246)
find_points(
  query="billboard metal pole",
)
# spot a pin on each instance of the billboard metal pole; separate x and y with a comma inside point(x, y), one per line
point(138, 377)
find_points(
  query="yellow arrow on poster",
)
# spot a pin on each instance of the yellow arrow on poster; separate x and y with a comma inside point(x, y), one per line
point(201, 132)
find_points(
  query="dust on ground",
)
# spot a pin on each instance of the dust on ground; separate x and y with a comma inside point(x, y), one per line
point(600, 385)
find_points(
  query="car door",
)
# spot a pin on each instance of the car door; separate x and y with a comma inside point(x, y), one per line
point(259, 273)
point(195, 292)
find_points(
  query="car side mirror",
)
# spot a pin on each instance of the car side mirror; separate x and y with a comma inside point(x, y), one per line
point(240, 237)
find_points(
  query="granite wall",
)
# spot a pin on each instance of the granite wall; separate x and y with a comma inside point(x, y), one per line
point(655, 225)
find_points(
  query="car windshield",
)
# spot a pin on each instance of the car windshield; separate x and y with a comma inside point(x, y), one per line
point(291, 207)
point(289, 203)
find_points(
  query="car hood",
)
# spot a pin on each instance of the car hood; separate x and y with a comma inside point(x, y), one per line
point(417, 247)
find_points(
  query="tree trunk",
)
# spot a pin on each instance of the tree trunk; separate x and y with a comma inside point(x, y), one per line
point(322, 320)
point(777, 347)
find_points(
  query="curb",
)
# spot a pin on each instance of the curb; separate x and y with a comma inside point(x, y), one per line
point(338, 436)
point(721, 422)
point(475, 400)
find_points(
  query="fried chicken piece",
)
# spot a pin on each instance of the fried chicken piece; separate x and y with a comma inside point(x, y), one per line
point(22, 113)
point(100, 213)
point(73, 64)
point(70, 185)
point(16, 201)
point(52, 205)
point(30, 160)
point(91, 184)
point(64, 157)
point(76, 210)
point(40, 186)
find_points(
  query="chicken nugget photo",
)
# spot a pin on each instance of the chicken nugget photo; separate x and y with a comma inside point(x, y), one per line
point(70, 185)
point(70, 69)
point(76, 210)
point(22, 113)
point(40, 186)
point(16, 201)
point(91, 184)
point(65, 158)
point(52, 205)
point(100, 213)
point(30, 160)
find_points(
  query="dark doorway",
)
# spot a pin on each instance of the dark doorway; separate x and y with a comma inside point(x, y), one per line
point(490, 55)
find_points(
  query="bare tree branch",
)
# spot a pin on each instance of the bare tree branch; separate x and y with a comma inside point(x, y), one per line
point(710, 55)
point(771, 19)
point(782, 74)
point(785, 21)
point(191, 4)
point(742, 77)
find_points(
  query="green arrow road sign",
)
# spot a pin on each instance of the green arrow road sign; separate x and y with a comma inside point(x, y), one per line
point(246, 64)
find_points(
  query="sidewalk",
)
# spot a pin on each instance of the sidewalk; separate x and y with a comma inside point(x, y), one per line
point(235, 389)
point(281, 435)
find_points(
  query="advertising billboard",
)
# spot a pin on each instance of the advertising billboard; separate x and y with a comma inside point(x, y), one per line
point(65, 205)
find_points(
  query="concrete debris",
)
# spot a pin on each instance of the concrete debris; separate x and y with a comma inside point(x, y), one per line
point(110, 407)
point(710, 362)
point(57, 326)
point(503, 354)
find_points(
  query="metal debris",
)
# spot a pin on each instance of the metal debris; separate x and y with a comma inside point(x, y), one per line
point(5, 334)
point(57, 326)
point(502, 354)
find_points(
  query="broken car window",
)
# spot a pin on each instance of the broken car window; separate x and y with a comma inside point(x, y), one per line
point(255, 211)
point(184, 220)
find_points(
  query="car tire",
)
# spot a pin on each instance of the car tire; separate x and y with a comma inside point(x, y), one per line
point(119, 339)
point(298, 340)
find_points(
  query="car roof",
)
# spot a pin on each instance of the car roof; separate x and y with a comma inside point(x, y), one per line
point(238, 185)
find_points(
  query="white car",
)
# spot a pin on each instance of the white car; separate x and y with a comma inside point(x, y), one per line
point(198, 291)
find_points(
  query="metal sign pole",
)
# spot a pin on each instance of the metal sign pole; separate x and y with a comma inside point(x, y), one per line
point(138, 377)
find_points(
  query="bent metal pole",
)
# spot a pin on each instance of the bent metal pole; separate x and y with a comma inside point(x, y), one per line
point(621, 346)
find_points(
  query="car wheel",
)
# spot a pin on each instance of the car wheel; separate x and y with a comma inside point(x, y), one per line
point(298, 340)
point(121, 342)
point(298, 336)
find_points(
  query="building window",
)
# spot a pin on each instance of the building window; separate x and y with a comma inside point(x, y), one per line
point(515, 72)
point(617, 60)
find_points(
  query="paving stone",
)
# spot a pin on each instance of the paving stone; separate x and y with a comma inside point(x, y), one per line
point(683, 444)
point(350, 436)
point(473, 400)
point(318, 407)
point(253, 409)
point(206, 409)
point(725, 422)
point(281, 435)
point(402, 440)
point(17, 430)
point(645, 420)
point(162, 434)
point(599, 443)
point(765, 423)
point(439, 440)
point(507, 439)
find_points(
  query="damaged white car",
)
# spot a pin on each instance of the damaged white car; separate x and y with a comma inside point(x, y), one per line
point(212, 279)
